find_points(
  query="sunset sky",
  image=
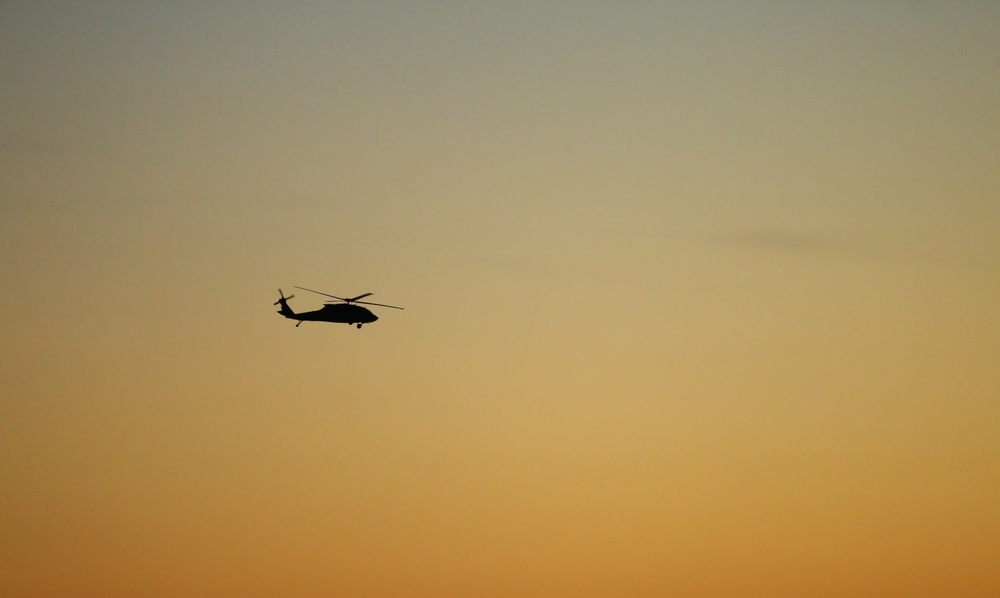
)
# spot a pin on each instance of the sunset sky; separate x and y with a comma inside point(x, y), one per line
point(701, 299)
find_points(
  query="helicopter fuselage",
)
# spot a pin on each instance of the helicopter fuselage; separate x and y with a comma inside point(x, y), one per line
point(340, 313)
point(346, 312)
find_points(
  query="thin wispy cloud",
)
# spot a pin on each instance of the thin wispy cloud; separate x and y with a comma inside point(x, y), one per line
point(894, 247)
point(785, 240)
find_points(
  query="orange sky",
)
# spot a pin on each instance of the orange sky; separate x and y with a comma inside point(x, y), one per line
point(701, 299)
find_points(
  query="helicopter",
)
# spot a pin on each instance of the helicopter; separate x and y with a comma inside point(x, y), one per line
point(343, 311)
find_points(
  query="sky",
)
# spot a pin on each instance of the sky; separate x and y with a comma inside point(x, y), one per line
point(700, 298)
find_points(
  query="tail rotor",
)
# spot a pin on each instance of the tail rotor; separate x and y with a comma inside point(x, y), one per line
point(283, 298)
point(283, 302)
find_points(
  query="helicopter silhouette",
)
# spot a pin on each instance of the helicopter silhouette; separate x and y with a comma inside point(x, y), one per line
point(343, 311)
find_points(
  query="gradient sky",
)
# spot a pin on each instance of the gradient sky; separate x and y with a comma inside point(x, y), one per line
point(701, 298)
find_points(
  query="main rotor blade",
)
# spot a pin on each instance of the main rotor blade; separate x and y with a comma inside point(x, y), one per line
point(327, 294)
point(378, 304)
point(351, 300)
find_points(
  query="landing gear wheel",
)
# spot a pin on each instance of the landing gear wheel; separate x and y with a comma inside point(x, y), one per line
point(359, 326)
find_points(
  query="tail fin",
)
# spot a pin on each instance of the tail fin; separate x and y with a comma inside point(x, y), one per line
point(283, 302)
